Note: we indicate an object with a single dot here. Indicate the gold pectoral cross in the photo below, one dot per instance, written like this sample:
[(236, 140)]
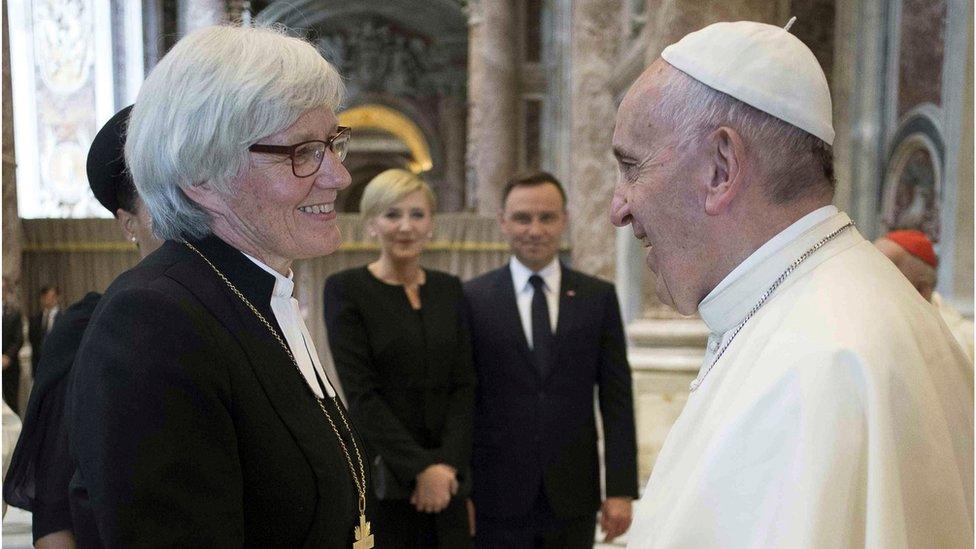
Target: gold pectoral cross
[(364, 537)]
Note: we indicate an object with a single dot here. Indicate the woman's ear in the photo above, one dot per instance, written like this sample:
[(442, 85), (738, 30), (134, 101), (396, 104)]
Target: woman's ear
[(725, 151), (206, 196), (127, 222)]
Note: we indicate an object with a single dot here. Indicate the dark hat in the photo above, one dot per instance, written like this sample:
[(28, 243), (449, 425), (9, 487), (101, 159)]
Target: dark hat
[(106, 161)]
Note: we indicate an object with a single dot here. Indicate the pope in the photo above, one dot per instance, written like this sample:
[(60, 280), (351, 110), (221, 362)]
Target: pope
[(833, 408)]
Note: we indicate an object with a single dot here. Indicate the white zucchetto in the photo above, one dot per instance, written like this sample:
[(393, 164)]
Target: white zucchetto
[(761, 65)]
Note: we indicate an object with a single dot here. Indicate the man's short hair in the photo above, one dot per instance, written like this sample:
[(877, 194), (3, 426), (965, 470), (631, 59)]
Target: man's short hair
[(218, 91), (45, 289), (532, 179), (798, 164)]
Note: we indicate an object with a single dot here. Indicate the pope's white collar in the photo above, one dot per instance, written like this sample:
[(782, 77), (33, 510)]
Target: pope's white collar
[(730, 301)]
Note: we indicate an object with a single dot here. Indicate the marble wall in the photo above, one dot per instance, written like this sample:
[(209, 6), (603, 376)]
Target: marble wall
[(492, 100), (596, 41), (11, 222)]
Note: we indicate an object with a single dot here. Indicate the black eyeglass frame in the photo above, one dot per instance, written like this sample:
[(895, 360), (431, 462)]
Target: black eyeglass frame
[(289, 150)]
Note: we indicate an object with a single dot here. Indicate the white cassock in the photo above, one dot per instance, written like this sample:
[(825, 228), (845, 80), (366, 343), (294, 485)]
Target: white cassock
[(840, 416), (960, 326)]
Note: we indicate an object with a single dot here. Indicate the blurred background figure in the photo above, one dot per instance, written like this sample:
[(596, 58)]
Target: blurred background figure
[(912, 252), (42, 322), (41, 466), (13, 339), (400, 344)]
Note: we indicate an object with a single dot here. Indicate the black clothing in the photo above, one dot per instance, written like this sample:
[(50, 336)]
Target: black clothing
[(37, 331), (407, 374), (540, 529), (41, 466), (404, 528), (13, 339), (190, 424), (537, 433)]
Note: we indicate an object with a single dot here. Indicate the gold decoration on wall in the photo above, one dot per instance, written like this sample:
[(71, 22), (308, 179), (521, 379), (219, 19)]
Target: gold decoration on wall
[(378, 117)]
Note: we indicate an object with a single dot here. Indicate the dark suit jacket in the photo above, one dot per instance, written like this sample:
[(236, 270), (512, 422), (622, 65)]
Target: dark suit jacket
[(35, 334), (190, 425), (532, 433)]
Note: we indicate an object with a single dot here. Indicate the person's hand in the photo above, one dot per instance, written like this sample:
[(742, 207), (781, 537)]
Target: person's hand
[(470, 506), (435, 486), (615, 516), (6, 361)]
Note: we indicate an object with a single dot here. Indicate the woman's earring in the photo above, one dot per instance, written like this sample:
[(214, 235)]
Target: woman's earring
[(133, 239)]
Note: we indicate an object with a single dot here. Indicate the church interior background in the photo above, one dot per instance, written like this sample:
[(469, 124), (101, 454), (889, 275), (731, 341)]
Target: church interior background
[(468, 92)]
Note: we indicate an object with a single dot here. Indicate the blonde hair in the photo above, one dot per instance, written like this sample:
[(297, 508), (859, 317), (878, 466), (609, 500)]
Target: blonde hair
[(388, 188)]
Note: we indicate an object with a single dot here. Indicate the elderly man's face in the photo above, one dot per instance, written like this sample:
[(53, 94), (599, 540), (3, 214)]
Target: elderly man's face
[(284, 217), (656, 194)]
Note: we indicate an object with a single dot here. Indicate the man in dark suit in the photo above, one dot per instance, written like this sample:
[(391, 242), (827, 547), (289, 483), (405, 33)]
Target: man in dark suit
[(41, 323), (543, 337)]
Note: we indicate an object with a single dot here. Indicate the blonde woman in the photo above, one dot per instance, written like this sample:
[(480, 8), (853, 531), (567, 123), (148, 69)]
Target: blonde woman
[(401, 347)]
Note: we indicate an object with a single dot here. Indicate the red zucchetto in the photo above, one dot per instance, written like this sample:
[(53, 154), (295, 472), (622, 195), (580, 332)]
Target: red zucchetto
[(916, 243)]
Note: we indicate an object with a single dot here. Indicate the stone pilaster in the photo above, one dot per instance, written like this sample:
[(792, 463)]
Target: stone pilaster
[(492, 101), (12, 231), (195, 14), (596, 35)]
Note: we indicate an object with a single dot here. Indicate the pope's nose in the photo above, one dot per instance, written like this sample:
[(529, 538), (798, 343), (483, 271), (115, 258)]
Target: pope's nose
[(619, 210)]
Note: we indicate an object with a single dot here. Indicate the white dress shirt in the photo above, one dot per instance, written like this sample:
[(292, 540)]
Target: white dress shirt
[(289, 317), (551, 276)]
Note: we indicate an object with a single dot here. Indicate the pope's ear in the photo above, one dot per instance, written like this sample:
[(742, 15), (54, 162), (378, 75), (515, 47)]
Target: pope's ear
[(725, 152)]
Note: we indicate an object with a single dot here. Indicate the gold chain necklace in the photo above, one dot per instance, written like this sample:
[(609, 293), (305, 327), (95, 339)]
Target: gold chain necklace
[(363, 533)]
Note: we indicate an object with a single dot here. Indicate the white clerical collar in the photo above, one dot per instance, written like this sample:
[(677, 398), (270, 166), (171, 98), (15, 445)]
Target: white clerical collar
[(284, 285), (285, 308), (729, 302), (520, 274)]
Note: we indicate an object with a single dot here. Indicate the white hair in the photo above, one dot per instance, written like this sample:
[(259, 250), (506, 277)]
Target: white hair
[(795, 161), (218, 91)]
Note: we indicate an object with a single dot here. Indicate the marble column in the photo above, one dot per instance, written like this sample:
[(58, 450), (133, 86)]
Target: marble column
[(195, 14), (596, 34), (492, 101), (451, 116), (12, 232)]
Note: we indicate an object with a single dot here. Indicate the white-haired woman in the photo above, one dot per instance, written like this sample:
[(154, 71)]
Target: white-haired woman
[(402, 350), (199, 412)]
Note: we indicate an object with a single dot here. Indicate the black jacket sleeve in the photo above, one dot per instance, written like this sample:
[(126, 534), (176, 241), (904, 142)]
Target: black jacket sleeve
[(379, 426), (150, 425), (456, 441), (617, 405)]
